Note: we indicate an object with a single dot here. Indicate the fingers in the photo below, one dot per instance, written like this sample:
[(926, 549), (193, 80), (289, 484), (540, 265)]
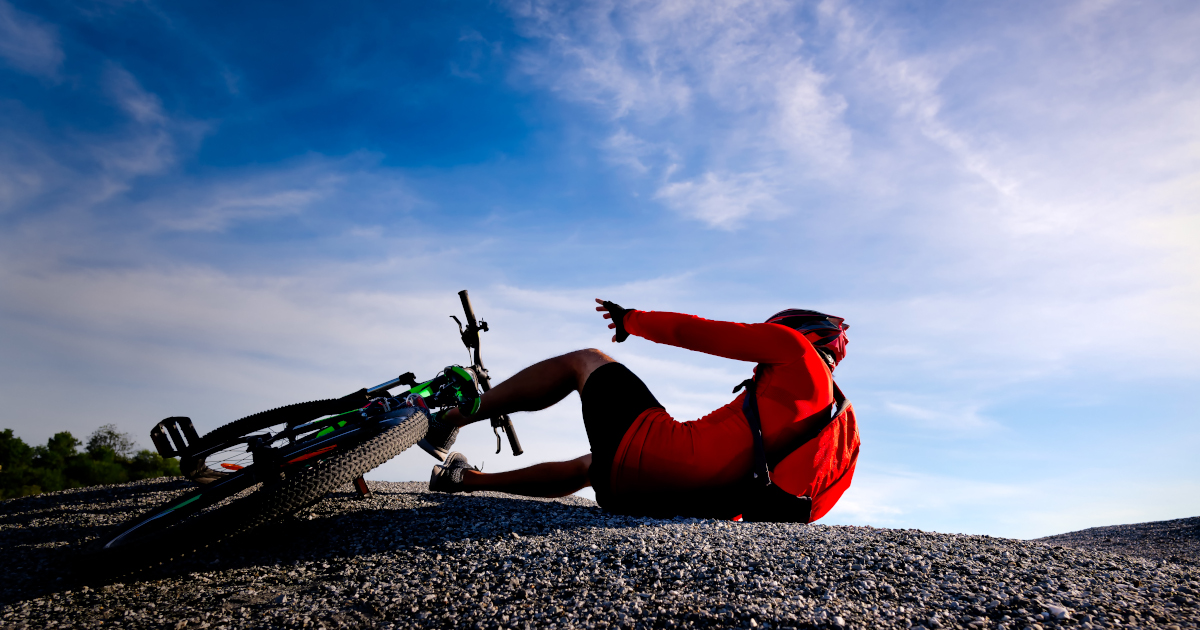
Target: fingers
[(601, 308), (607, 315)]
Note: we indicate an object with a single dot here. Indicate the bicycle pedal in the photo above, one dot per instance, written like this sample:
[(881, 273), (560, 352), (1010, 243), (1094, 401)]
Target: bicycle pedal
[(174, 436)]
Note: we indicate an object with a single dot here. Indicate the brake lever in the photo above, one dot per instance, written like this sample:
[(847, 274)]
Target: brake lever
[(470, 333)]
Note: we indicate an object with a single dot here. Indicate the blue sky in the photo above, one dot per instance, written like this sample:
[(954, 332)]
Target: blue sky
[(209, 209)]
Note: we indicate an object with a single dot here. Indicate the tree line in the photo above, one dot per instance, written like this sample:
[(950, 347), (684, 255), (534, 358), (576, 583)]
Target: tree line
[(110, 457)]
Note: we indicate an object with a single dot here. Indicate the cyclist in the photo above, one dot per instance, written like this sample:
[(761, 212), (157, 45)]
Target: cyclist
[(642, 460)]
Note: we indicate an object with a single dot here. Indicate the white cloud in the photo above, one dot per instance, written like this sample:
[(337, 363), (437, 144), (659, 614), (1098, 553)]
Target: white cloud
[(910, 84), (1017, 507), (722, 200), (150, 144), (256, 194), (27, 44), (810, 120), (959, 420), (218, 214), (627, 149), (897, 498), (142, 106), (724, 91), (48, 171)]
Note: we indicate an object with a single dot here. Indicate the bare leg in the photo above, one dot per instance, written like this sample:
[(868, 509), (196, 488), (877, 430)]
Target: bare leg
[(548, 480), (537, 386)]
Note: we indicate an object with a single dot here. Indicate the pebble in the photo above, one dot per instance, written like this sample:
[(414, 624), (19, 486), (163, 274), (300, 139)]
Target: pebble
[(405, 557)]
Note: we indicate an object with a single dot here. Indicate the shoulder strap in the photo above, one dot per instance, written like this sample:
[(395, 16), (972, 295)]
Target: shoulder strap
[(761, 472)]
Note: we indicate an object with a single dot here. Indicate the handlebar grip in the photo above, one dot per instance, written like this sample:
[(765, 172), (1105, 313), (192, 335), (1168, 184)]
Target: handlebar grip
[(513, 442), (466, 304)]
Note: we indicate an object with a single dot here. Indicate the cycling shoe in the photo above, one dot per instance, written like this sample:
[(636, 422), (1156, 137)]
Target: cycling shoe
[(440, 437), (448, 476)]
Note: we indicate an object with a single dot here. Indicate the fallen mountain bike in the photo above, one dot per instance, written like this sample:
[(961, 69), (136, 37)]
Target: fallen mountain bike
[(271, 464)]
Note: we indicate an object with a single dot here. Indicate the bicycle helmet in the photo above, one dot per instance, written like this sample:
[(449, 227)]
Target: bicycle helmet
[(826, 332)]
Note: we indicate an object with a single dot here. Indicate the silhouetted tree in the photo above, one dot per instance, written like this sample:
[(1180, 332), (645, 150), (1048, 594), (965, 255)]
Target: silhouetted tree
[(109, 458), (107, 436)]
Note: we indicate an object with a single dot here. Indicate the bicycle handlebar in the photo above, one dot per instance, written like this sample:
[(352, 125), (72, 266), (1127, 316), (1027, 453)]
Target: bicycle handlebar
[(470, 338)]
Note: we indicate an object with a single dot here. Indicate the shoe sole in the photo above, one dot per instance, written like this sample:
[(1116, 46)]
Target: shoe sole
[(437, 453)]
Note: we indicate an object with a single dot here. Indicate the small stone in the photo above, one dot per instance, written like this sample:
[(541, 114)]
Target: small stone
[(1058, 612)]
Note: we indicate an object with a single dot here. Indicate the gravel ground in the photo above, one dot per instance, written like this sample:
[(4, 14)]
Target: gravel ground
[(1175, 541), (408, 558)]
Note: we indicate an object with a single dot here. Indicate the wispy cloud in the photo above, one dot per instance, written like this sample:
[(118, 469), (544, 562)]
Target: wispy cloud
[(719, 102), (49, 169), (722, 199), (149, 144), (890, 497), (1021, 506), (256, 194), (910, 84), (28, 44), (961, 420)]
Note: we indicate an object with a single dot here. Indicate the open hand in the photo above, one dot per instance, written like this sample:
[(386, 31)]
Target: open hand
[(613, 311)]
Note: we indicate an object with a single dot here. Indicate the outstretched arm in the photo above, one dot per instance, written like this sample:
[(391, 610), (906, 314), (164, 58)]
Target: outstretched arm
[(758, 343)]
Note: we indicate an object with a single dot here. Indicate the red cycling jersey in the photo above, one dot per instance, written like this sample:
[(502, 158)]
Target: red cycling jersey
[(794, 384)]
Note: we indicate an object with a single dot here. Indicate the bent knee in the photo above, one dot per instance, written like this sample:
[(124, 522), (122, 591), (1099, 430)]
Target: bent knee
[(585, 362), (593, 355)]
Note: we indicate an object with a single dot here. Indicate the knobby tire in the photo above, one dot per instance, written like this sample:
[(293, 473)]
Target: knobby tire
[(272, 501), (195, 468)]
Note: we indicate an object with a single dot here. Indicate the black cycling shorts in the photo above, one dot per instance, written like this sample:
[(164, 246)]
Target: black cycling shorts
[(613, 397)]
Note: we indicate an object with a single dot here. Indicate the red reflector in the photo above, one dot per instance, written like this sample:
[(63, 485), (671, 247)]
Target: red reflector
[(232, 466), (312, 454)]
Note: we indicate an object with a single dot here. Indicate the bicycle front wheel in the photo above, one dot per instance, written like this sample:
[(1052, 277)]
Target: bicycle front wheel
[(235, 505)]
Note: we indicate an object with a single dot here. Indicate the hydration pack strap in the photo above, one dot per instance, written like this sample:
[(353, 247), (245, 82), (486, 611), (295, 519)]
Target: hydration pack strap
[(761, 472)]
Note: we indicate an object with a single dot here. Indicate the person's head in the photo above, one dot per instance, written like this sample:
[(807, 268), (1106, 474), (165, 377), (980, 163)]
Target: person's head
[(826, 332)]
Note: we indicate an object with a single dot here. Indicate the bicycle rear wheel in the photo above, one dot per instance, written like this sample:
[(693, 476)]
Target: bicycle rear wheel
[(225, 446), (219, 511)]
